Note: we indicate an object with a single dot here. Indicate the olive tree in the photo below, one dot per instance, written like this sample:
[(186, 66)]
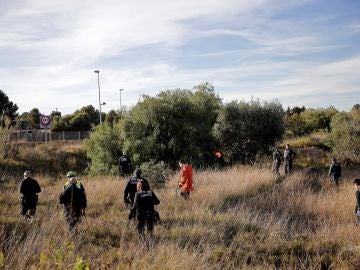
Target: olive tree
[(247, 129), (172, 125), (345, 136)]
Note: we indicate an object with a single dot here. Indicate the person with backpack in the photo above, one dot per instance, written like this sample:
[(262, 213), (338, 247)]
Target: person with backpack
[(356, 183), (73, 197), (289, 156), (143, 208), (29, 188), (125, 166), (276, 155), (186, 179), (335, 172), (131, 189)]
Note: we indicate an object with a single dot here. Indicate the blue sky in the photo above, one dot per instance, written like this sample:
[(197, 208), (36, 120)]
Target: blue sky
[(299, 52)]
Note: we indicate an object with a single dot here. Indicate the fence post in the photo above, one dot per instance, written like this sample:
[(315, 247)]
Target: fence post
[(79, 135), (63, 135)]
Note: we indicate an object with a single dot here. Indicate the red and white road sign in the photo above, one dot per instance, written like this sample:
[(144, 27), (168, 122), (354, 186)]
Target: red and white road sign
[(45, 121)]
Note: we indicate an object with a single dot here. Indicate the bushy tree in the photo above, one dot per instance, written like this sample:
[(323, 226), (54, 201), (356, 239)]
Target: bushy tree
[(8, 109), (356, 107), (103, 148), (55, 113), (301, 122), (297, 110), (5, 130), (112, 117), (81, 120), (172, 125), (246, 129), (295, 125), (345, 136), (29, 120)]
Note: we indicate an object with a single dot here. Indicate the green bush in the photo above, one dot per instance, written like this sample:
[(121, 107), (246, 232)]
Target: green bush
[(157, 173), (173, 125), (103, 148), (345, 136), (306, 121), (81, 120), (246, 130), (4, 136)]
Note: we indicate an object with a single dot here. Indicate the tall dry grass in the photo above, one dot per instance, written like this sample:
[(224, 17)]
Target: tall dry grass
[(51, 158), (240, 218)]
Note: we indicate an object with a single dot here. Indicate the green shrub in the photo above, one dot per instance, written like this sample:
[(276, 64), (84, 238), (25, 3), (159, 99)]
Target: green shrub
[(248, 129), (5, 136), (173, 125), (345, 136), (103, 148), (157, 173)]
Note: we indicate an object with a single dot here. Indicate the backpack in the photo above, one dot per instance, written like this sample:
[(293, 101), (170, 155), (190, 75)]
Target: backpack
[(156, 217)]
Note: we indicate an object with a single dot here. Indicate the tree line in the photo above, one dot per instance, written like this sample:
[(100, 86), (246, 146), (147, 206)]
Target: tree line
[(192, 125)]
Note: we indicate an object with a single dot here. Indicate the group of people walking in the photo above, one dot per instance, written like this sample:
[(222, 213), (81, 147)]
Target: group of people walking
[(288, 158), (73, 197), (139, 198)]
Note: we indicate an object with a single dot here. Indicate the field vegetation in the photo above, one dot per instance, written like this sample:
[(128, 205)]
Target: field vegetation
[(241, 217)]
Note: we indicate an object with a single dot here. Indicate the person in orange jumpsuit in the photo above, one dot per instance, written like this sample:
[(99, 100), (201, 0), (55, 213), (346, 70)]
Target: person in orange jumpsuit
[(186, 179)]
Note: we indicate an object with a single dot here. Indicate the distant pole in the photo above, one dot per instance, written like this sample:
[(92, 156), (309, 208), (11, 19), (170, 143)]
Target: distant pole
[(98, 73), (120, 90)]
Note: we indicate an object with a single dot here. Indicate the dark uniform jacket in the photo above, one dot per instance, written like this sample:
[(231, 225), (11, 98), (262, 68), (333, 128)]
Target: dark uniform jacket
[(130, 189), (125, 164), (289, 155), (335, 170), (29, 188), (277, 156), (73, 197), (357, 195), (144, 202)]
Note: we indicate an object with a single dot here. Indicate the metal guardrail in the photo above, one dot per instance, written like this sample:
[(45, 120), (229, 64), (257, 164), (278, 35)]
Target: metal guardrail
[(45, 136)]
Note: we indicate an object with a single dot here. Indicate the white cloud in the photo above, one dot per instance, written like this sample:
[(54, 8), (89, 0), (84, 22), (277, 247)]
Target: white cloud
[(69, 39), (83, 31)]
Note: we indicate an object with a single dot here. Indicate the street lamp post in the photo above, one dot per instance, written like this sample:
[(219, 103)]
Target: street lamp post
[(120, 90), (98, 73)]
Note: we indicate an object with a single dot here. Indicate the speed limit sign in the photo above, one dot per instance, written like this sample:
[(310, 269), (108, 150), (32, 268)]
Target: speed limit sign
[(45, 121)]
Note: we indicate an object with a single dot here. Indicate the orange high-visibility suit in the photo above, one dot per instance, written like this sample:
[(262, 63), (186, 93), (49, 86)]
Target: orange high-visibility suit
[(186, 181)]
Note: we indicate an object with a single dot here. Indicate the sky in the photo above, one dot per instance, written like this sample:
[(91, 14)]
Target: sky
[(300, 52)]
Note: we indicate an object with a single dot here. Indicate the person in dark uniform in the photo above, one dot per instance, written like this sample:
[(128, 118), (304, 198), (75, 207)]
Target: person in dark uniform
[(125, 166), (276, 155), (143, 208), (73, 197), (356, 183), (335, 171), (131, 189), (289, 156), (29, 188)]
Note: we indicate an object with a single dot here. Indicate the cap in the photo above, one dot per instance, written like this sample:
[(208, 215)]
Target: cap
[(71, 174)]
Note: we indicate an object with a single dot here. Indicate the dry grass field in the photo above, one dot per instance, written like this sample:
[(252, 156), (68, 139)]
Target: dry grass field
[(239, 218)]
